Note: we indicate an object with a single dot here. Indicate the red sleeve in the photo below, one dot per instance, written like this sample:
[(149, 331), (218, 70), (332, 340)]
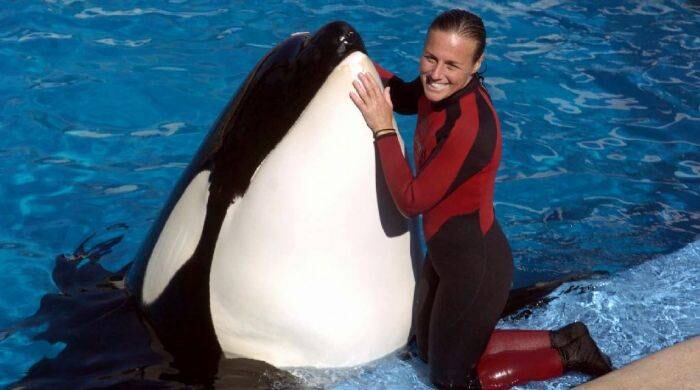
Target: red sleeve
[(384, 74), (415, 195)]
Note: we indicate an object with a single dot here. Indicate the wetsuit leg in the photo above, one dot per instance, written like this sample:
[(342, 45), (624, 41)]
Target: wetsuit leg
[(425, 294), (475, 273)]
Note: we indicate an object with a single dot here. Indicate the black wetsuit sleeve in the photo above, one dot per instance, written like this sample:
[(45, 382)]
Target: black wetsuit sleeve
[(404, 96)]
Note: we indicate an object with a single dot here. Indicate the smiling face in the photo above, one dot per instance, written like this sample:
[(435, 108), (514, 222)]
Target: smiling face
[(447, 64)]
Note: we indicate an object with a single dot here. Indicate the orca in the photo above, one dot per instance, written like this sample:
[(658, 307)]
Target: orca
[(280, 242)]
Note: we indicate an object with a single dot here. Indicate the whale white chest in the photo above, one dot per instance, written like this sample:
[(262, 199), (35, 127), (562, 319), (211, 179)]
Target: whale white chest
[(303, 273)]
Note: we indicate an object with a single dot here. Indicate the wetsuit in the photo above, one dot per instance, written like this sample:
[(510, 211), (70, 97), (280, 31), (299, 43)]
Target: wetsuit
[(467, 274)]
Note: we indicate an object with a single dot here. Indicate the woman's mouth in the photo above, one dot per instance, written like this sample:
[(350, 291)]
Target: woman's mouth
[(435, 86)]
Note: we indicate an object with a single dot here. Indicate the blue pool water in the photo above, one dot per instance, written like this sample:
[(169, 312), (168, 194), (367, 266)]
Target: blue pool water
[(104, 104)]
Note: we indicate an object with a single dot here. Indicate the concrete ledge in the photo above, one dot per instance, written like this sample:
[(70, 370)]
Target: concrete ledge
[(676, 367)]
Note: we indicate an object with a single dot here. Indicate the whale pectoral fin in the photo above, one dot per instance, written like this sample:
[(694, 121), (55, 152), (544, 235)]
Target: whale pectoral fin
[(242, 373), (178, 238), (537, 294)]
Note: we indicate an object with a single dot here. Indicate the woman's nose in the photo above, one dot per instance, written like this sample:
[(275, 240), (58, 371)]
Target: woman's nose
[(437, 72)]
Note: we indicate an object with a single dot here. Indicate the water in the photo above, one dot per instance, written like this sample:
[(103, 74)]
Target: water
[(103, 106), (634, 313)]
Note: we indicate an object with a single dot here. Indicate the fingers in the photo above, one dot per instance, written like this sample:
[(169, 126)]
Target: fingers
[(360, 88), (357, 100), (370, 85), (367, 92), (387, 96), (373, 101)]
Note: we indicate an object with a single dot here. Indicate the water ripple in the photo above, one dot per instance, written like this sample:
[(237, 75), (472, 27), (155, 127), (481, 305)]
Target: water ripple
[(229, 31), (121, 189), (169, 68), (96, 12), (542, 157), (541, 175), (614, 101), (650, 158), (600, 144), (564, 106), (650, 9), (495, 92), (168, 130), (692, 166), (89, 134), (36, 35), (551, 118), (178, 165), (59, 81), (125, 42), (640, 122)]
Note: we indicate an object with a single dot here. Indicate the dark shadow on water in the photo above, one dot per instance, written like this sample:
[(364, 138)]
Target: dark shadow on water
[(108, 343)]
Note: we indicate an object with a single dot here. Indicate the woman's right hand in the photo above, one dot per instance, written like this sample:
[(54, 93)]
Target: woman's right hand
[(374, 104)]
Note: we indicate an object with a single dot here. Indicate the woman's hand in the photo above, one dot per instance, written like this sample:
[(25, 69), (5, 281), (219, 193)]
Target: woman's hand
[(374, 104)]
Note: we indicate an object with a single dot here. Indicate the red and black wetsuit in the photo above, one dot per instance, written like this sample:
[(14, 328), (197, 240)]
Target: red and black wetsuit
[(467, 274), (457, 149)]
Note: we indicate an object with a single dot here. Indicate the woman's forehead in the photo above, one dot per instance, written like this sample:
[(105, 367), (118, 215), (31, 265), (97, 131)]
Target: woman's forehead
[(450, 45)]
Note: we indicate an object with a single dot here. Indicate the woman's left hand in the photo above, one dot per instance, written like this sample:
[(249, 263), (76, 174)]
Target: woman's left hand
[(374, 104)]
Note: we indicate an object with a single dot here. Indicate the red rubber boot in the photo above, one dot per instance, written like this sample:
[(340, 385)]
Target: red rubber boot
[(517, 340), (509, 368)]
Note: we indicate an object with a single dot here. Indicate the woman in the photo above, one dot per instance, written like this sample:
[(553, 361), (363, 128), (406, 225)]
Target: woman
[(468, 270)]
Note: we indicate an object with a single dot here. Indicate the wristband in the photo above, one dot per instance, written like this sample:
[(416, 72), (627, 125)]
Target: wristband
[(383, 132)]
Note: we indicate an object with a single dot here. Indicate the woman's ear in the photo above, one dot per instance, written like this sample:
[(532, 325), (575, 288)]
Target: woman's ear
[(478, 62)]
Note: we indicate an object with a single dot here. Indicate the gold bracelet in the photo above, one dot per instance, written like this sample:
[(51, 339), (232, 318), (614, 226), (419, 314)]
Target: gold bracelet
[(382, 132)]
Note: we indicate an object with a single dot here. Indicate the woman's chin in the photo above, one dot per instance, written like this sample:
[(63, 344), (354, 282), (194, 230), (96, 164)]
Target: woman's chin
[(435, 96)]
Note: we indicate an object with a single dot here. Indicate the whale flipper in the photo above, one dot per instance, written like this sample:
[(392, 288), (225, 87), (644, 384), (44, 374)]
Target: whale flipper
[(537, 294)]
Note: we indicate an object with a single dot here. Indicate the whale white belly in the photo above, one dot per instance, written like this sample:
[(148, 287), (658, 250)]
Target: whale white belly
[(303, 273)]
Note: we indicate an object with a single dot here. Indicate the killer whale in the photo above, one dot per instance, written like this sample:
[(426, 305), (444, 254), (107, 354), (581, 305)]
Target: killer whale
[(280, 241)]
